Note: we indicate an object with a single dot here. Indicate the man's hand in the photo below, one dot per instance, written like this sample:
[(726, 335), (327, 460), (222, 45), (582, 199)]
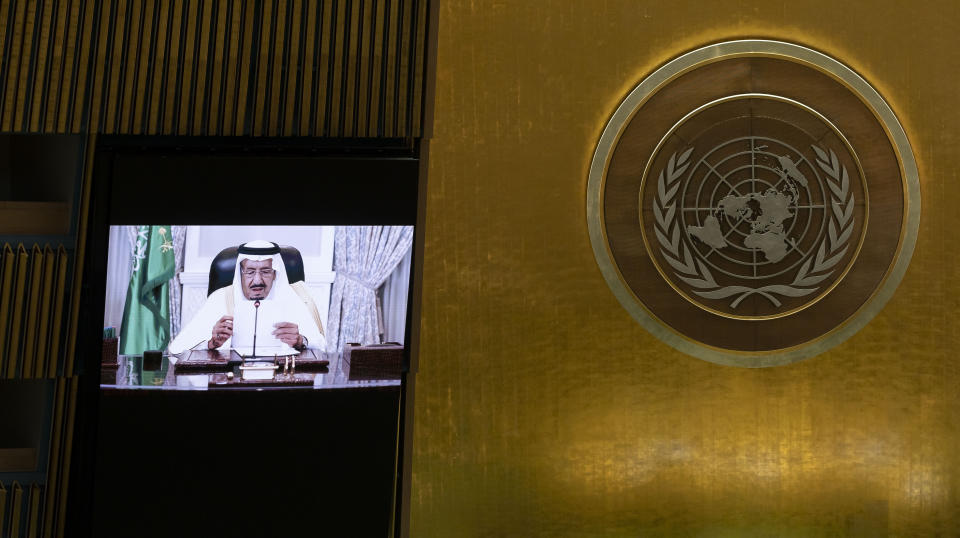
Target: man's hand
[(222, 330), (289, 334)]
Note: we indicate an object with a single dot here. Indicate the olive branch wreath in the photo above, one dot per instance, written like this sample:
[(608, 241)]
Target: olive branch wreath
[(695, 273)]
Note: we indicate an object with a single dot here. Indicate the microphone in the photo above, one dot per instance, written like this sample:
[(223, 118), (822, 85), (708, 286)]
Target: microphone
[(256, 310)]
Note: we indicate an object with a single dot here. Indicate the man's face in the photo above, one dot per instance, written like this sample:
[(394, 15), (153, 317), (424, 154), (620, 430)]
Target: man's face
[(257, 278)]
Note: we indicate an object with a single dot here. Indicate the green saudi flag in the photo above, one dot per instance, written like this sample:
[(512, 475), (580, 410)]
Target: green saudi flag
[(146, 313)]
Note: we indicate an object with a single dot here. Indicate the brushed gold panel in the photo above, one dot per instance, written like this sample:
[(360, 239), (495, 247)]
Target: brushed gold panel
[(543, 409)]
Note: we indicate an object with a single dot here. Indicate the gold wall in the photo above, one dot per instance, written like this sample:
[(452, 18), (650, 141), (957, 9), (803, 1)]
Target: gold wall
[(543, 409)]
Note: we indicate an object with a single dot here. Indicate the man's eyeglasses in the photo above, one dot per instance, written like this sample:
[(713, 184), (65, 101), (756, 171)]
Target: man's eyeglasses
[(264, 273)]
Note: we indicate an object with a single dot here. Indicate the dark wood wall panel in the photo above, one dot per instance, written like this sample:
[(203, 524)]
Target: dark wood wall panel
[(336, 68), (333, 68), (37, 507), (33, 298)]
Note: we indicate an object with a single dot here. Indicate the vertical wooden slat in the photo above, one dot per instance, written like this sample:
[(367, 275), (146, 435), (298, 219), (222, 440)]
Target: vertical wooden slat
[(395, 96), (40, 59), (7, 9), (12, 76), (3, 506), (363, 71), (67, 61), (26, 61), (96, 54), (16, 315), (253, 73), (115, 29), (347, 59), (214, 67), (295, 121), (259, 63), (258, 67), (129, 97), (198, 65), (176, 108), (312, 91), (60, 298), (373, 84), (56, 449), (356, 69), (403, 56), (54, 51), (333, 31), (423, 44), (146, 105), (164, 93), (413, 57), (339, 57), (226, 60), (158, 78), (244, 36), (188, 56), (287, 70), (280, 51), (33, 513), (388, 10), (16, 510), (249, 68), (46, 314), (77, 59), (7, 277), (134, 110), (128, 77), (271, 70), (386, 67), (32, 311), (64, 478)]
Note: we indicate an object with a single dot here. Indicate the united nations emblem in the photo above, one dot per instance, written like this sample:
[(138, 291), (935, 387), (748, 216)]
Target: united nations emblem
[(733, 203)]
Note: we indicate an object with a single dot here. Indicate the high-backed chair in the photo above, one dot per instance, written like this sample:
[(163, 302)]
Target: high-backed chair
[(223, 265)]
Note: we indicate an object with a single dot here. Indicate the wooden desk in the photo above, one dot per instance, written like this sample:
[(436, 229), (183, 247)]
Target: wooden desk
[(209, 369)]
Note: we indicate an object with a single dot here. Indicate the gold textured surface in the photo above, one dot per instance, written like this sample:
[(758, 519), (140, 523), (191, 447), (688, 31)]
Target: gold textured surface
[(544, 409)]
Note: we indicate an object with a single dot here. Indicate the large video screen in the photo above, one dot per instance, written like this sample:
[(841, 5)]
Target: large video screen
[(205, 307)]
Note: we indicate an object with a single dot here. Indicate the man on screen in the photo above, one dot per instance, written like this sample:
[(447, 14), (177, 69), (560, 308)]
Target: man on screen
[(260, 308)]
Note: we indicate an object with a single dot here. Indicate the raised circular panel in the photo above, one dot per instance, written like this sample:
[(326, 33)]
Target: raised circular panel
[(753, 203)]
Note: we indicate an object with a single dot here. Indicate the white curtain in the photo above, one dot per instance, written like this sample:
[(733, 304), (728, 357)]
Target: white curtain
[(118, 273), (176, 288), (363, 258), (394, 298)]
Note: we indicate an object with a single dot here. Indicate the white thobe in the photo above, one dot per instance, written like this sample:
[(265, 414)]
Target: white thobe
[(272, 310)]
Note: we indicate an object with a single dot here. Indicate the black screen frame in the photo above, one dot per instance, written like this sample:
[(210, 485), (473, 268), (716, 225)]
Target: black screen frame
[(142, 179)]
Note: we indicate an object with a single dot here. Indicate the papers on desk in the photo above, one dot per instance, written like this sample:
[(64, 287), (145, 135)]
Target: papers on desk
[(266, 352)]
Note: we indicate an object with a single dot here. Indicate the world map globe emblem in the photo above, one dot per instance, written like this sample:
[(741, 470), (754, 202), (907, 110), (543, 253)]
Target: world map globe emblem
[(756, 215)]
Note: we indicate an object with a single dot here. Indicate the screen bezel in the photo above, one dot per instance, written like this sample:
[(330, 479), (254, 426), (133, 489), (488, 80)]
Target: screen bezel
[(385, 175)]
